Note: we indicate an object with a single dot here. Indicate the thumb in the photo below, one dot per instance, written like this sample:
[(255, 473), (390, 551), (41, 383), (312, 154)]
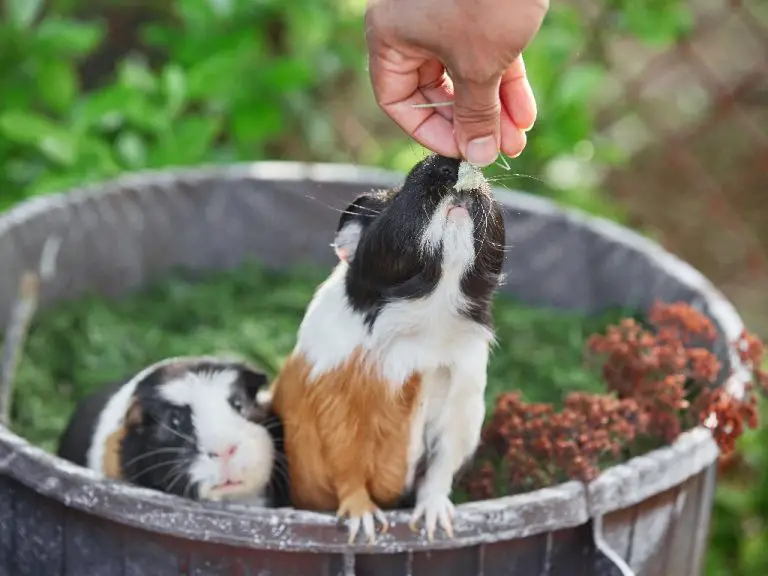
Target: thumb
[(477, 119)]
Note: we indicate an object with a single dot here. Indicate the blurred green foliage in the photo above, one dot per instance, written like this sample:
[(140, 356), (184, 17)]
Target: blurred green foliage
[(231, 77), (229, 80), (237, 80)]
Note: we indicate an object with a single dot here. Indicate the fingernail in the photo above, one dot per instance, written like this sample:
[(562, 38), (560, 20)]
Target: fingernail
[(482, 151)]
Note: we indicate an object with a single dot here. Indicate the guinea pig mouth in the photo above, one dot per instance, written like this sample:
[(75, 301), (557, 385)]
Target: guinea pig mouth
[(458, 205), (227, 484)]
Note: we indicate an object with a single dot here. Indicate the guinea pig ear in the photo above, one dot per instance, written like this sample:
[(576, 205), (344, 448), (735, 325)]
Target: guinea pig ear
[(253, 381), (346, 240), (135, 415), (356, 218)]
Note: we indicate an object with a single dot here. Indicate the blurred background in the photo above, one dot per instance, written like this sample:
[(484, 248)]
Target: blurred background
[(652, 113)]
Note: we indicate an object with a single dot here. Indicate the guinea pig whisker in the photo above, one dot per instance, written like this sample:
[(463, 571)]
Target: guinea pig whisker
[(371, 211), (187, 489), (281, 467), (271, 423), (502, 177), (153, 453), (179, 475), (177, 433), (156, 465)]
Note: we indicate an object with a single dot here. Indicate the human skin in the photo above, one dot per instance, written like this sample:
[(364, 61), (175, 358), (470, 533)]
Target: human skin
[(412, 44)]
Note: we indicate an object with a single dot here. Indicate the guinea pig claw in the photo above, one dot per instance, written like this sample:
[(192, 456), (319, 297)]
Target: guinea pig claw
[(366, 521), (362, 513), (435, 511), (354, 528)]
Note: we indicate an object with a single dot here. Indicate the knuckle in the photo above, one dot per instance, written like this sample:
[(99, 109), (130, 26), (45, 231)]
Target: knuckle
[(477, 113)]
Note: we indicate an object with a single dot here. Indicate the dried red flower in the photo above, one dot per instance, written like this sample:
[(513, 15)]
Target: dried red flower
[(660, 381)]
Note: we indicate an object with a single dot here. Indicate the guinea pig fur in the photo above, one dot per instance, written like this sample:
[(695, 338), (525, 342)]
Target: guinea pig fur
[(388, 374), (192, 427)]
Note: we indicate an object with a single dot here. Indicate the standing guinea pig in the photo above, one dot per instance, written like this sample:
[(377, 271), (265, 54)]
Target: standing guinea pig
[(192, 427), (389, 370)]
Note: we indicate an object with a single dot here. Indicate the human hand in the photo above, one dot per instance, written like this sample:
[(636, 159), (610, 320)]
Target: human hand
[(413, 43)]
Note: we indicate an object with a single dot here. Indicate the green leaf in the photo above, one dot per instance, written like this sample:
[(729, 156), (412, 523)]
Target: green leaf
[(73, 38), (196, 14), (95, 156), (22, 13), (174, 87), (251, 124), (657, 25), (188, 143), (158, 36), (136, 74), (218, 76), (31, 129), (117, 105), (131, 150), (196, 134), (57, 83), (577, 85), (54, 182), (286, 74)]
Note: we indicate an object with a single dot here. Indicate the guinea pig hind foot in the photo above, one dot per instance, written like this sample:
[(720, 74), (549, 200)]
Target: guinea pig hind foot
[(361, 512)]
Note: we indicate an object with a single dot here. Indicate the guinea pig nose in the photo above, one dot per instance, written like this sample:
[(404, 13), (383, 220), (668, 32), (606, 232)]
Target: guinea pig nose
[(227, 453)]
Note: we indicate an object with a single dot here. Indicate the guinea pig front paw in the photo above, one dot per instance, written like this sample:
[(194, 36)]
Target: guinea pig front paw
[(434, 509), (360, 511)]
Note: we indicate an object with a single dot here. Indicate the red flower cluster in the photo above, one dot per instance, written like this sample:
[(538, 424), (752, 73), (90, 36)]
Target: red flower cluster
[(538, 446), (660, 381)]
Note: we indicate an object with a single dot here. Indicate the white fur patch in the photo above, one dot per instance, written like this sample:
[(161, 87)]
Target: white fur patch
[(330, 330), (470, 177), (454, 231)]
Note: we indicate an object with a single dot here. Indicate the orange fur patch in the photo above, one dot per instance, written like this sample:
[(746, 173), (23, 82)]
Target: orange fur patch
[(113, 467), (345, 432), (113, 449)]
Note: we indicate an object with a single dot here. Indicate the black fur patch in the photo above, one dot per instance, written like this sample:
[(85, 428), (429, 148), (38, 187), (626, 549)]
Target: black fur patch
[(158, 451), (388, 264), (278, 491)]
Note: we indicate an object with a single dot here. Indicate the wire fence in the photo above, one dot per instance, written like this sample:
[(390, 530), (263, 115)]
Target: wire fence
[(694, 119)]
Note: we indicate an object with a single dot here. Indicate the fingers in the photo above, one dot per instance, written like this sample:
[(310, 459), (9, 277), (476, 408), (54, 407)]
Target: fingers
[(517, 96), (485, 117), (400, 88), (476, 119), (513, 139)]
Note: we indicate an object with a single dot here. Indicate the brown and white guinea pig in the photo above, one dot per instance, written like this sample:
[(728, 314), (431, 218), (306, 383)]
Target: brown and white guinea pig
[(389, 370), (189, 426)]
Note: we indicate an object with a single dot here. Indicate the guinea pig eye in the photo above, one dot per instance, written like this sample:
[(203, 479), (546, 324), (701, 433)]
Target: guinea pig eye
[(175, 422)]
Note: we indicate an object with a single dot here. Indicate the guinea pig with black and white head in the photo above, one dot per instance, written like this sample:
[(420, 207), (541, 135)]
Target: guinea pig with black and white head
[(194, 427), (382, 398)]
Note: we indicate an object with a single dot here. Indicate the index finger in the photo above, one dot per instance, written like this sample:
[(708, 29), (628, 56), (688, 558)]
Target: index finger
[(398, 91)]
